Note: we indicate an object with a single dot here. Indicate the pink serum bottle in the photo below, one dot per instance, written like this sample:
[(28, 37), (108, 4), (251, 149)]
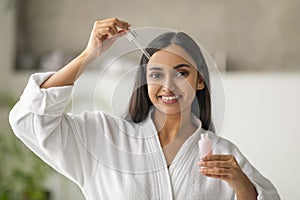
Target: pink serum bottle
[(205, 146)]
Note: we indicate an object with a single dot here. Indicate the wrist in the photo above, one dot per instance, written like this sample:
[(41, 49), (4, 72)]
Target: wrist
[(246, 191), (86, 57)]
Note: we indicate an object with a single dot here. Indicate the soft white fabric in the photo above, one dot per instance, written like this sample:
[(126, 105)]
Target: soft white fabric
[(111, 158)]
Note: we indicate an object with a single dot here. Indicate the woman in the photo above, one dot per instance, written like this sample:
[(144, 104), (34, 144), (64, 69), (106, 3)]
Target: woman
[(152, 154)]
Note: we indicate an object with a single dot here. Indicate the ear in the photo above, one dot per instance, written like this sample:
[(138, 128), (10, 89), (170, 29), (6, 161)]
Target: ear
[(200, 85)]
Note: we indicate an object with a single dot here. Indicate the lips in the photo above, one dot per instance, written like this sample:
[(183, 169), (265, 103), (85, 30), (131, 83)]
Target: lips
[(169, 99)]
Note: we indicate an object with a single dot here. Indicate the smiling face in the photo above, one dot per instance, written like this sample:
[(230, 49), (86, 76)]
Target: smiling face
[(172, 80)]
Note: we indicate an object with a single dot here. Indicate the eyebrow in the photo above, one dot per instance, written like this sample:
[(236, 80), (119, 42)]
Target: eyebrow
[(181, 65), (175, 67)]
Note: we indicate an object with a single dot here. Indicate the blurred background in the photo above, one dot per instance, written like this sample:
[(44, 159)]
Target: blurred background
[(256, 45)]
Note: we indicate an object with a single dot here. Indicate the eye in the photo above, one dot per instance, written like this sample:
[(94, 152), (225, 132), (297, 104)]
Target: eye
[(155, 75), (181, 74)]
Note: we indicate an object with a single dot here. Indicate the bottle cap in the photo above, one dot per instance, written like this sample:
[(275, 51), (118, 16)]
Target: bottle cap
[(202, 136)]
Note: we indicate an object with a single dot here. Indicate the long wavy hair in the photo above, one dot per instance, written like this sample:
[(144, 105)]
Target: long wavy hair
[(140, 104)]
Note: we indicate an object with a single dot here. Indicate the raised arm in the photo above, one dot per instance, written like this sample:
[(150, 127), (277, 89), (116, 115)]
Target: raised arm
[(64, 141), (104, 33)]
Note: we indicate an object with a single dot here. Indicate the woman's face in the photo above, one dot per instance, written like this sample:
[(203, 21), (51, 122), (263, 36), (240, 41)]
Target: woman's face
[(172, 80)]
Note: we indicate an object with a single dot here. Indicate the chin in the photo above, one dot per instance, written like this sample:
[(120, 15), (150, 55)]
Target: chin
[(170, 110)]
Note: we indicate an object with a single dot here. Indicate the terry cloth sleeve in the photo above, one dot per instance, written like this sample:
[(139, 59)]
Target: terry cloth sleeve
[(39, 120), (265, 189)]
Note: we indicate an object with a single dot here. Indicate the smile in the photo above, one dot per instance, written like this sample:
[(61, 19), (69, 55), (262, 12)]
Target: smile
[(169, 99)]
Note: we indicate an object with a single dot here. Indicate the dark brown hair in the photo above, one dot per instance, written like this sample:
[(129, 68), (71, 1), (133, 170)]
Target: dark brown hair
[(140, 103)]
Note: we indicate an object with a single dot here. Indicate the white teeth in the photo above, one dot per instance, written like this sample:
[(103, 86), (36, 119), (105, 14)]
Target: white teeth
[(169, 98)]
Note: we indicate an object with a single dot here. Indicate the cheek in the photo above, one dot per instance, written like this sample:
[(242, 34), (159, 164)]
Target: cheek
[(187, 85), (153, 90)]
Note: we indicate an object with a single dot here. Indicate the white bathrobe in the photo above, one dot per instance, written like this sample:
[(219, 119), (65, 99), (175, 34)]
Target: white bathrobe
[(109, 157)]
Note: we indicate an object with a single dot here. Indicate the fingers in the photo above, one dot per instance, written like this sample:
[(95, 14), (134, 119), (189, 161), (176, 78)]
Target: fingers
[(109, 27), (103, 35), (116, 22), (224, 167), (215, 171), (224, 161), (222, 177), (218, 166), (219, 157)]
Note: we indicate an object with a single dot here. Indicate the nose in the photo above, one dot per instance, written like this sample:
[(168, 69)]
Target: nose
[(169, 84)]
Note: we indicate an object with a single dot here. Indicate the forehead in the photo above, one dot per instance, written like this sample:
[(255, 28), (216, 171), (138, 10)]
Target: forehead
[(171, 56)]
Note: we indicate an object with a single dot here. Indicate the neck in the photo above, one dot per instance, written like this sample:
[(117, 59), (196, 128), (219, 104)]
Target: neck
[(170, 125)]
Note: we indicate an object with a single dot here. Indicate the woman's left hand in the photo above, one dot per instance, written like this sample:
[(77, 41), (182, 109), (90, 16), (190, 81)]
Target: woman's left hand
[(225, 167)]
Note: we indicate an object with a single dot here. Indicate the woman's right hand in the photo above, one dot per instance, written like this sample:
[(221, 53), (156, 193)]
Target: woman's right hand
[(104, 33)]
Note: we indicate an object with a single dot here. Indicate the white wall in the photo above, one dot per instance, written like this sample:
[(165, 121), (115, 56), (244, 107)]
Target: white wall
[(262, 116)]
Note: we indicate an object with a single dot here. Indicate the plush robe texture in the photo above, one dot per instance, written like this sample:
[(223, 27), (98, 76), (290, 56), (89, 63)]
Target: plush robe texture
[(109, 157)]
